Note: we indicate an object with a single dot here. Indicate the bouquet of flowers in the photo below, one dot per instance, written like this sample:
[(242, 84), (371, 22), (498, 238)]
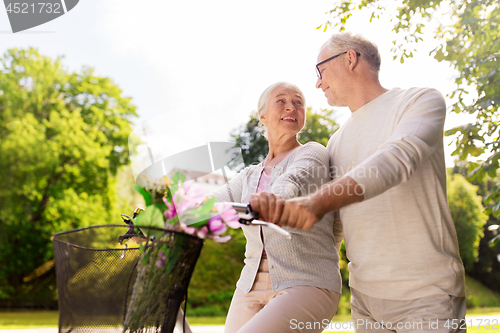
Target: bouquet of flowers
[(177, 219)]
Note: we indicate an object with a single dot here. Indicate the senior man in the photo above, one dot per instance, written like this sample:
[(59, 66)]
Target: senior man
[(389, 187)]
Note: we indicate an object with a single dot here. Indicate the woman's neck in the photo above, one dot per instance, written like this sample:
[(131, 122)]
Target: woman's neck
[(279, 148)]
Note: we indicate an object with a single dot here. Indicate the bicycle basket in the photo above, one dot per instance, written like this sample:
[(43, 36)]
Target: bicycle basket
[(106, 287)]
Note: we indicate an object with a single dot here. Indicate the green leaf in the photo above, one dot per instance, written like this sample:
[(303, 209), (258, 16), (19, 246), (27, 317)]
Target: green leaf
[(148, 200), (495, 208), (196, 221), (161, 206), (150, 217), (178, 176), (439, 55), (198, 216), (493, 242), (207, 206)]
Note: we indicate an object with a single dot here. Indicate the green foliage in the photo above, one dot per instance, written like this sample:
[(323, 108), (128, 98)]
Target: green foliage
[(469, 40), (148, 199), (150, 217), (319, 127), (249, 138), (128, 198), (480, 296), (63, 138), (486, 269), (467, 212), (215, 276)]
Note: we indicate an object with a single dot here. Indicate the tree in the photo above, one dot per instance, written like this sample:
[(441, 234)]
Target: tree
[(487, 268), (319, 127), (470, 43), (63, 137), (469, 217), (250, 139)]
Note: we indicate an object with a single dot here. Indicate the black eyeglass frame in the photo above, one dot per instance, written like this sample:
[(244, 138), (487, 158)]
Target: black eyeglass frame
[(318, 72)]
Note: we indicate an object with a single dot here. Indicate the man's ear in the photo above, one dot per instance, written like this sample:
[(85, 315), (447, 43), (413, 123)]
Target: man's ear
[(352, 58)]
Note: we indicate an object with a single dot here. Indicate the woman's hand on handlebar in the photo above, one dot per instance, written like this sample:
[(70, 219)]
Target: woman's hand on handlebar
[(269, 206)]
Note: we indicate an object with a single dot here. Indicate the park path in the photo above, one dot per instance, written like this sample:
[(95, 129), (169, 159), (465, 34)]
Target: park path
[(472, 321)]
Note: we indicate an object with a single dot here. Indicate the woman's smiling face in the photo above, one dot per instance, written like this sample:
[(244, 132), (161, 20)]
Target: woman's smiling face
[(285, 112)]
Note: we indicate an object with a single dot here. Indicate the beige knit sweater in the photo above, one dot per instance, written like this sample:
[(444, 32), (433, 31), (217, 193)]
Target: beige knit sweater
[(401, 240), (310, 257)]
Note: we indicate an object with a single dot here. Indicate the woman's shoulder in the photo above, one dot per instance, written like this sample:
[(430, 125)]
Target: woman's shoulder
[(313, 147), (307, 153), (249, 170)]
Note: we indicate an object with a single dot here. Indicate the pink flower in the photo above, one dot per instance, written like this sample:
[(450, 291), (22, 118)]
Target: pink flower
[(221, 239), (186, 198), (162, 259), (170, 213), (173, 227), (216, 225), (188, 230), (228, 215), (202, 232)]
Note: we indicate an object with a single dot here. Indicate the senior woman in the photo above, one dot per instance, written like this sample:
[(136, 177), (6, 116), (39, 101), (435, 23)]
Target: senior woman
[(285, 285)]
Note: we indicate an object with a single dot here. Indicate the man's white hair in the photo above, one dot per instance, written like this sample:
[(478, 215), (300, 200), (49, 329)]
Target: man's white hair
[(345, 41)]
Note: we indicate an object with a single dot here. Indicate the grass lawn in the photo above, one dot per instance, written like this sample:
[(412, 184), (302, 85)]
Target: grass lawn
[(480, 329), (18, 319), (483, 311)]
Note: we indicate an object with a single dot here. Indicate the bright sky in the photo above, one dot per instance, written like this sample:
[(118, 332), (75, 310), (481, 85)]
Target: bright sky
[(195, 69)]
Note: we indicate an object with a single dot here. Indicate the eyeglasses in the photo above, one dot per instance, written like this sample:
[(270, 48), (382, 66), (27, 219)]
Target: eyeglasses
[(318, 72)]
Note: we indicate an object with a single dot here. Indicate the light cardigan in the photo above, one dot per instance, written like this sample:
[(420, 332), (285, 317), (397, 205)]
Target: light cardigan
[(310, 257), (401, 240)]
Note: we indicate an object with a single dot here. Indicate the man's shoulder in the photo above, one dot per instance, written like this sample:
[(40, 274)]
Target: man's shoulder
[(416, 98), (416, 92)]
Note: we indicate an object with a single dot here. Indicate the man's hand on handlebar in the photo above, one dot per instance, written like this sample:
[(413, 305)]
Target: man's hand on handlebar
[(296, 213), (269, 206), (300, 213)]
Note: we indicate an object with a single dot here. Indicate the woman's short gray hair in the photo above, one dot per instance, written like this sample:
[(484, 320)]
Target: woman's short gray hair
[(266, 95), (345, 41)]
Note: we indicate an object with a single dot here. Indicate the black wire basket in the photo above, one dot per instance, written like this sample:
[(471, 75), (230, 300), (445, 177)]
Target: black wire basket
[(105, 286)]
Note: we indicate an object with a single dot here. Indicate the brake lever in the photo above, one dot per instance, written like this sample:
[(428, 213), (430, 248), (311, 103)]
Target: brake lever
[(132, 230), (249, 217)]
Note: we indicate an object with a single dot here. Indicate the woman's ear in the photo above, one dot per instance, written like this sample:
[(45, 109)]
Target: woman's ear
[(263, 119)]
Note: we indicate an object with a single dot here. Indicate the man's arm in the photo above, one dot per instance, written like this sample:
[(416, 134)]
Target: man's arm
[(417, 135), (303, 212)]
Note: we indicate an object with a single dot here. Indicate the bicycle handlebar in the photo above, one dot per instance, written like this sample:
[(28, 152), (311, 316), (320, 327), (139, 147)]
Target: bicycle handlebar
[(246, 214), (250, 217)]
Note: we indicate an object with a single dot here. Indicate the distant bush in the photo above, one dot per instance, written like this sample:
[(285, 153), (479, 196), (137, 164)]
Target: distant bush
[(215, 276), (479, 296), (469, 217)]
